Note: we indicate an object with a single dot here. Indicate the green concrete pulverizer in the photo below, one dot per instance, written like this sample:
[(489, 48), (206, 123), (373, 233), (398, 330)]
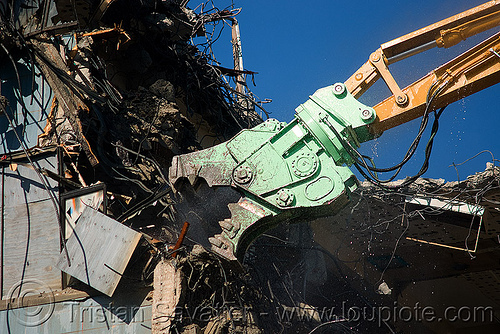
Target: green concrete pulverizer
[(294, 171)]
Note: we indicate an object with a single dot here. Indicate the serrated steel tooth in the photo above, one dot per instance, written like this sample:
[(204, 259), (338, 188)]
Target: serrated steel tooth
[(173, 171), (230, 227), (236, 226), (222, 246), (215, 242), (189, 207), (192, 178), (226, 224)]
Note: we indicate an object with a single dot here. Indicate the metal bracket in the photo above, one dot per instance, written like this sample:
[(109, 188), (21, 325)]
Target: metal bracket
[(378, 60)]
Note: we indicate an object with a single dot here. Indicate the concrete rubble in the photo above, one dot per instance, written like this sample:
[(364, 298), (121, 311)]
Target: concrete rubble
[(96, 99)]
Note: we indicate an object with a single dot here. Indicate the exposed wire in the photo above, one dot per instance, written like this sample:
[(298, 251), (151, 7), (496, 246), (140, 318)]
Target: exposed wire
[(368, 171)]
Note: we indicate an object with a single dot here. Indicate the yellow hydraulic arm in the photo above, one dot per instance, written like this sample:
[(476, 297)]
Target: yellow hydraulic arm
[(470, 72)]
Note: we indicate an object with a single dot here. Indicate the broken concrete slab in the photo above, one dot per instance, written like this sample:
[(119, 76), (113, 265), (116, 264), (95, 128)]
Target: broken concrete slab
[(167, 295)]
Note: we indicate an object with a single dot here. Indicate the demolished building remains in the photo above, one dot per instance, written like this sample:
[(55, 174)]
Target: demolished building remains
[(97, 97)]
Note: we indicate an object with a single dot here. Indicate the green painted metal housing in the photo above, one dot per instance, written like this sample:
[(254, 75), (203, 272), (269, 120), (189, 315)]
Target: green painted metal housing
[(283, 168)]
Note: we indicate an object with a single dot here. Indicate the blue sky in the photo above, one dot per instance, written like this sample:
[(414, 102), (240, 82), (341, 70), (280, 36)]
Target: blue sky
[(298, 47)]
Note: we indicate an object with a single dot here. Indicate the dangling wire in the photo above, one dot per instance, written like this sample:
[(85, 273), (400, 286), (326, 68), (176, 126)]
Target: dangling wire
[(370, 172)]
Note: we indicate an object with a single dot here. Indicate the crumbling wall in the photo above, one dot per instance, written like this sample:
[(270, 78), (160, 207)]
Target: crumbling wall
[(111, 91), (128, 89)]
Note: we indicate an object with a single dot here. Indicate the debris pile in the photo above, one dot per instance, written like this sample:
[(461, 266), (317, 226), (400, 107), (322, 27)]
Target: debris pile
[(120, 88), (209, 296), (96, 99)]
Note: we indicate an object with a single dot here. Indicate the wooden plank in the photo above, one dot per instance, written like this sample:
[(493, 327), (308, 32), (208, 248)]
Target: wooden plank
[(45, 298), (31, 246), (23, 184), (30, 243), (99, 249)]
